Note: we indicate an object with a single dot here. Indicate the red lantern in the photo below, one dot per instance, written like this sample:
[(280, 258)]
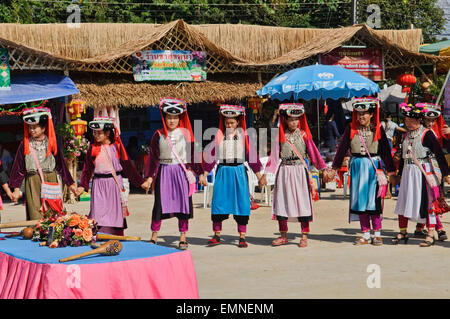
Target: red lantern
[(406, 80), (75, 108), (79, 127)]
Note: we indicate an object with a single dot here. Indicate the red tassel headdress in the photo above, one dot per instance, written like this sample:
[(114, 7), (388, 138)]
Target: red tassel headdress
[(32, 116), (107, 120), (231, 111), (363, 105), (174, 106), (292, 110)]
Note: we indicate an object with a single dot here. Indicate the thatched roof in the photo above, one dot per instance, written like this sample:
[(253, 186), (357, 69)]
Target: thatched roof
[(241, 49), (248, 42), (231, 48), (98, 90)]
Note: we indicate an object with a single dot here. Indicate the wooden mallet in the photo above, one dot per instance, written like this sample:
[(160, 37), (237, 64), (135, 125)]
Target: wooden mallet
[(19, 224), (115, 237), (110, 248)]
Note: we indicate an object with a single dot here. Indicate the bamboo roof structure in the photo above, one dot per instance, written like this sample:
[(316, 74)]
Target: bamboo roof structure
[(95, 49)]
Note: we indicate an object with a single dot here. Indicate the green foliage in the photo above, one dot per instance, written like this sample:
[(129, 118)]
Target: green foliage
[(423, 14), (64, 130)]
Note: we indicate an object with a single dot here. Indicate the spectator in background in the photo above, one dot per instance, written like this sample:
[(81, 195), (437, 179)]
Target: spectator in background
[(390, 127), (6, 159), (331, 132), (133, 149)]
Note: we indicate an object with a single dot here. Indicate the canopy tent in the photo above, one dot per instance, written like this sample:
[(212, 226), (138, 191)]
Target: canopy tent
[(434, 48), (37, 87)]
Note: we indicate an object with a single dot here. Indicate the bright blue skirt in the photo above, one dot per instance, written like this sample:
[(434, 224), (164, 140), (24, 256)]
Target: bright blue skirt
[(231, 193), (363, 185)]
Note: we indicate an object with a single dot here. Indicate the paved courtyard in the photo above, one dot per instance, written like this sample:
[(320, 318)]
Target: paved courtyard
[(330, 267)]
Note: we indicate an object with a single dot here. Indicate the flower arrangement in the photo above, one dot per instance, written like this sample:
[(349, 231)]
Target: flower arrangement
[(74, 147), (70, 229)]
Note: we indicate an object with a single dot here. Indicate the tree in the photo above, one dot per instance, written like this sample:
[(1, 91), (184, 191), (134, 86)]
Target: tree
[(422, 14)]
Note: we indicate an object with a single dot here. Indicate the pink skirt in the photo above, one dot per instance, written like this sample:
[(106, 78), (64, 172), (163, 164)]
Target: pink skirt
[(291, 196)]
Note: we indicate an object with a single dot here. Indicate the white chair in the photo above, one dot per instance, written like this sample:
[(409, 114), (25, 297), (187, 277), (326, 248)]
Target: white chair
[(345, 183), (267, 189), (252, 179), (207, 190)]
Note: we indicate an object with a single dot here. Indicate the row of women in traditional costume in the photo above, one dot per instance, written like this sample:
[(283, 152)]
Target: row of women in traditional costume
[(173, 164), (231, 148), (370, 155)]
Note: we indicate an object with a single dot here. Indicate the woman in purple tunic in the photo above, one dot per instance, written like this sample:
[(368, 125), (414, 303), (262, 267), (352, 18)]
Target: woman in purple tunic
[(108, 161), (171, 152)]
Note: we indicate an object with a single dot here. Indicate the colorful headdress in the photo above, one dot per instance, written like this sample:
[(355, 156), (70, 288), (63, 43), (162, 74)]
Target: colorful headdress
[(34, 115), (101, 121), (433, 111), (105, 119), (174, 106), (366, 104), (231, 110), (417, 111), (292, 110)]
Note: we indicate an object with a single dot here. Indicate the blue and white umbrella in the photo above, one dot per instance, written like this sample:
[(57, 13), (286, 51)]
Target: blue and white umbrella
[(319, 82)]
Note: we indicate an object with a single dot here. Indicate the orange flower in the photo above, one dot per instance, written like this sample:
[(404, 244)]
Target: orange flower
[(74, 220), (78, 232), (54, 244), (87, 234), (84, 223)]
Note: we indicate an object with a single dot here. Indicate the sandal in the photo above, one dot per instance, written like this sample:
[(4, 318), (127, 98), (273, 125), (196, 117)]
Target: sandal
[(303, 243), (183, 245), (403, 236), (442, 235), (242, 243), (377, 241), (361, 241), (280, 241), (427, 243), (214, 241), (420, 233)]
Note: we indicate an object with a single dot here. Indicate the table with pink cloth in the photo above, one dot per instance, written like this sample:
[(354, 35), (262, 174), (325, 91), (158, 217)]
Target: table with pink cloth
[(140, 271)]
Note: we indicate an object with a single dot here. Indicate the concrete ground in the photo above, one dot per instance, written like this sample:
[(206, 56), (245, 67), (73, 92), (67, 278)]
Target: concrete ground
[(330, 267)]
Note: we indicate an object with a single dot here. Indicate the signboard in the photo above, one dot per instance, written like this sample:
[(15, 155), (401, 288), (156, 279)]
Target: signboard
[(365, 61), (446, 109), (165, 65), (5, 76)]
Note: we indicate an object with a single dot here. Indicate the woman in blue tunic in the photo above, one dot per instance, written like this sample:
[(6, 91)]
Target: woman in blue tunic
[(368, 144), (231, 148)]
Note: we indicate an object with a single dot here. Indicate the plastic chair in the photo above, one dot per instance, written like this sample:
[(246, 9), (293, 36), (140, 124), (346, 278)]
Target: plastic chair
[(315, 176), (252, 179), (345, 183), (207, 191)]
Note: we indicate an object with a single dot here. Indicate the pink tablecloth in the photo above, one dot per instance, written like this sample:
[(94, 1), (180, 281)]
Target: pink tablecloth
[(170, 276)]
